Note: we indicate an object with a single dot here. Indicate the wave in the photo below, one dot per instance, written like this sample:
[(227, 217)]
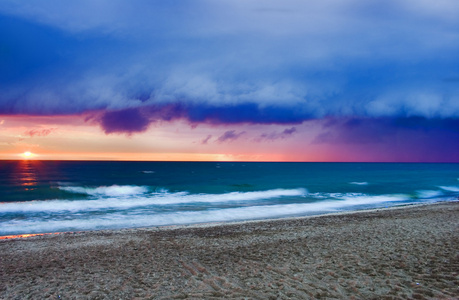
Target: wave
[(450, 188), (129, 219), (110, 191), (131, 197), (427, 194), (359, 183)]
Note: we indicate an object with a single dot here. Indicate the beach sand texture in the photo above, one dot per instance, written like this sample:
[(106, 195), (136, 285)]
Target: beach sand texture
[(410, 252)]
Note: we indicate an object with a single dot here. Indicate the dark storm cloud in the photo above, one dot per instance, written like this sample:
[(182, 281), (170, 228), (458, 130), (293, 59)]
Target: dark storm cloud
[(124, 121), (230, 62), (243, 113), (120, 121)]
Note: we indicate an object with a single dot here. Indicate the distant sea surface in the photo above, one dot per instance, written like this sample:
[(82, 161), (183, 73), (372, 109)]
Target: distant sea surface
[(58, 196)]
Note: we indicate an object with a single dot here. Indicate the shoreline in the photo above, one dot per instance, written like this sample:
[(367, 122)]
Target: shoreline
[(408, 251), (339, 213), (224, 223)]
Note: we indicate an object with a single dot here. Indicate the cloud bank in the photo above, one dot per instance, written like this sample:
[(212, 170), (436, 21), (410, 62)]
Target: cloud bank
[(232, 62)]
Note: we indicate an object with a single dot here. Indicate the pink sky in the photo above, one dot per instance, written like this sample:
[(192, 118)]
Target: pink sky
[(70, 137), (77, 138)]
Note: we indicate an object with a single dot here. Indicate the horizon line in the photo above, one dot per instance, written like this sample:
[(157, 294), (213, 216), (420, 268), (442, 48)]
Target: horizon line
[(226, 161)]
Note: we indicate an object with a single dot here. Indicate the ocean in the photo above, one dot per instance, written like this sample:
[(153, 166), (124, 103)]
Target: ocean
[(63, 196)]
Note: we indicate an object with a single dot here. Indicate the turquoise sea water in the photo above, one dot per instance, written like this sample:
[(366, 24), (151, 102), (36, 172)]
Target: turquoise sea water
[(56, 196)]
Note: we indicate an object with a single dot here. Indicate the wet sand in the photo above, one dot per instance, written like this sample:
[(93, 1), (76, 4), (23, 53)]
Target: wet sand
[(410, 252)]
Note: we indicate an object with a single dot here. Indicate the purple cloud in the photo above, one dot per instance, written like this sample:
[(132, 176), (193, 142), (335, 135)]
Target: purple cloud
[(39, 132), (204, 141), (230, 135), (124, 121), (289, 131), (135, 120), (276, 135), (401, 139), (354, 131)]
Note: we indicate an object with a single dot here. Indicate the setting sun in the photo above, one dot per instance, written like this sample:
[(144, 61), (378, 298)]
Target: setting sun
[(27, 154)]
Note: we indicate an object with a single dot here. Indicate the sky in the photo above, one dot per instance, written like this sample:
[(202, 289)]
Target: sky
[(239, 80)]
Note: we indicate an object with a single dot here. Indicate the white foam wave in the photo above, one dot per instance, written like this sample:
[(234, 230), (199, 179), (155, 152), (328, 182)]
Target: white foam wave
[(144, 200), (450, 188), (110, 191), (359, 183), (134, 219), (426, 194)]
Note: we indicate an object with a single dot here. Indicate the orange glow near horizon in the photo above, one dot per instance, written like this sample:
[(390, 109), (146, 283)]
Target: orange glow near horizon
[(73, 138), (153, 157)]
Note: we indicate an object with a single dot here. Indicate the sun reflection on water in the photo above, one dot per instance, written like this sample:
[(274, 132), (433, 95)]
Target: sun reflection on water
[(26, 175)]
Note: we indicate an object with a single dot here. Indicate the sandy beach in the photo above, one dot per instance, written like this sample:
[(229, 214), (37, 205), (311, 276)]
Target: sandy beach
[(409, 252)]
